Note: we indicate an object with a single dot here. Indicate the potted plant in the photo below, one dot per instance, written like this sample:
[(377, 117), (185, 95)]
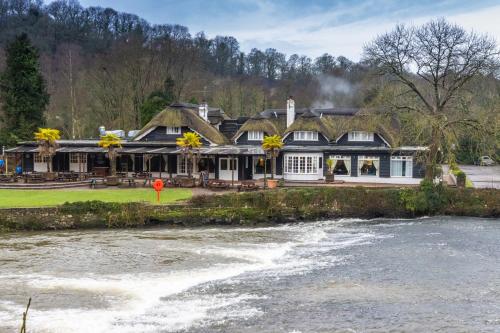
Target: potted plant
[(111, 141), (47, 146), (189, 143), (272, 145), (461, 179), (330, 177)]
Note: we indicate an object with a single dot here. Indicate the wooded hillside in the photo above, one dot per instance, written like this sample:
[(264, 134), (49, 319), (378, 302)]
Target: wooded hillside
[(115, 69)]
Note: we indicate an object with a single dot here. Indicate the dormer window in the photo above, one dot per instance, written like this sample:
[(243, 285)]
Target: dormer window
[(173, 130), (305, 136), (255, 135), (360, 136)]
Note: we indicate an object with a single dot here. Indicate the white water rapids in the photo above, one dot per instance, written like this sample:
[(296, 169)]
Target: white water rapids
[(169, 280)]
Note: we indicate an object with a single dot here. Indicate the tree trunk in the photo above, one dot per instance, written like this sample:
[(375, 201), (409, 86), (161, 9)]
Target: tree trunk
[(432, 155)]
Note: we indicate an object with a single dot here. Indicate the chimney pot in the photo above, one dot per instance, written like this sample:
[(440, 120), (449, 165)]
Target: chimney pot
[(290, 111), (203, 110)]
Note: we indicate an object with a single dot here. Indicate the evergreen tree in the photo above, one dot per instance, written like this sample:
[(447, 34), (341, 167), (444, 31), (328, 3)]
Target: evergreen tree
[(22, 92)]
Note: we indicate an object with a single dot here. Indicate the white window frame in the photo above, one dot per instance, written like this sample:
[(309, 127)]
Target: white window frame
[(182, 165), (173, 130), (255, 135), (360, 136), (296, 164), (409, 170), (305, 136), (368, 158), (76, 158), (37, 158)]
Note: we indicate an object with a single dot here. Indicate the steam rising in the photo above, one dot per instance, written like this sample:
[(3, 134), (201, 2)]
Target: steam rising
[(333, 91)]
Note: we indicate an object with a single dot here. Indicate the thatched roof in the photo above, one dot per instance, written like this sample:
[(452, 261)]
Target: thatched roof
[(258, 123), (308, 121), (382, 125), (184, 117), (334, 126)]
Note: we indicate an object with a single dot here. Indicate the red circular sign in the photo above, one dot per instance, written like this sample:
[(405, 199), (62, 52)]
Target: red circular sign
[(158, 185)]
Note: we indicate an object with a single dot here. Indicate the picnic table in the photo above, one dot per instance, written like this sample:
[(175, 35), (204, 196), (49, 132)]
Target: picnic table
[(34, 178), (130, 181), (8, 178), (184, 181), (217, 184), (67, 177), (248, 185)]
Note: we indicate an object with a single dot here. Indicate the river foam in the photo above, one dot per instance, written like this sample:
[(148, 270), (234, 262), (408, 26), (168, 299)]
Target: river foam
[(172, 300)]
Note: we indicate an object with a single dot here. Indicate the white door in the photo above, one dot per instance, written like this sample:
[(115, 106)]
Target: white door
[(228, 168)]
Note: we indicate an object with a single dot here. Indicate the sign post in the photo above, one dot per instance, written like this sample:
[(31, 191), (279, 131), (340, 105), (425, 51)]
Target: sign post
[(158, 186)]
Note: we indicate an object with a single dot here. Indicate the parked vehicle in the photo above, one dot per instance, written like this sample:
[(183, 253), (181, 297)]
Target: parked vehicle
[(486, 161)]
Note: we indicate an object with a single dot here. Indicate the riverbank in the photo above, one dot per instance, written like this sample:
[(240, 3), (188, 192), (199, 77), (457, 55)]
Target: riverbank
[(267, 207)]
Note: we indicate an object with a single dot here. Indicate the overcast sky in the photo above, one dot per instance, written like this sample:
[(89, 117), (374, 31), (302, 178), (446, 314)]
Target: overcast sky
[(310, 27)]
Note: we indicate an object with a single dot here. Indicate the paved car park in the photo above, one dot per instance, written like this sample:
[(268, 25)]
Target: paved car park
[(483, 176)]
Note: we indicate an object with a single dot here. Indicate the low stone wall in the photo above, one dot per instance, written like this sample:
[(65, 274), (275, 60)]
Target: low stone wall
[(277, 206)]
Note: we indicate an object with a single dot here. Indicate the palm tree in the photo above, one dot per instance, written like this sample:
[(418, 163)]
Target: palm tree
[(188, 143), (272, 145), (47, 144), (111, 141)]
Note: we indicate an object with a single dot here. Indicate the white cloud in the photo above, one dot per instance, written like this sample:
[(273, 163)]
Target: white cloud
[(314, 35)]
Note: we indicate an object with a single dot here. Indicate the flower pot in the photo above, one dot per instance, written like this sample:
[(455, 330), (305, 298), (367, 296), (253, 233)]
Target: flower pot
[(330, 178), (272, 183)]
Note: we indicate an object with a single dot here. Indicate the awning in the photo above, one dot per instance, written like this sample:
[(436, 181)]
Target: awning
[(232, 150), (147, 150), (80, 150), (22, 149)]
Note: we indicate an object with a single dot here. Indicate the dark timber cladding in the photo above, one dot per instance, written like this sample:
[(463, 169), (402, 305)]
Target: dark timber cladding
[(310, 137)]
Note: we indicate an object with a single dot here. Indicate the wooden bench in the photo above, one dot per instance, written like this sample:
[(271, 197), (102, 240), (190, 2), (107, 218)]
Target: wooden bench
[(248, 185)]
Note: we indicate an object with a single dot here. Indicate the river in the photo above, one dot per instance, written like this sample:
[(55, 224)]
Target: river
[(431, 274)]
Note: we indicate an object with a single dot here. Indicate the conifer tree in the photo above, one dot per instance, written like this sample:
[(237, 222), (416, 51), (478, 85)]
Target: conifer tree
[(23, 94)]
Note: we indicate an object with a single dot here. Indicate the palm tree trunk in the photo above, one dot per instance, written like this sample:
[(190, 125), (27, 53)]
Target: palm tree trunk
[(112, 161), (273, 166)]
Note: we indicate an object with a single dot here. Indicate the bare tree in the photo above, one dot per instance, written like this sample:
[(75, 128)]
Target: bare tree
[(434, 62)]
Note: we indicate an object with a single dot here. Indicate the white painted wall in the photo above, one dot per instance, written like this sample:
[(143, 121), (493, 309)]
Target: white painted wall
[(40, 167)]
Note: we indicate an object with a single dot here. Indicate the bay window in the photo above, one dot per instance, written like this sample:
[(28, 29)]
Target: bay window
[(301, 164)]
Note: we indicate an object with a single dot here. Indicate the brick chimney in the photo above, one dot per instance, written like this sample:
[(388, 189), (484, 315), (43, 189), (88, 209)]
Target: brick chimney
[(290, 111)]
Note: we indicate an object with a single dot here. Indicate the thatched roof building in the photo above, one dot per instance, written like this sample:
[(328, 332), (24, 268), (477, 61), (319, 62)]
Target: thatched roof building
[(184, 117), (258, 123)]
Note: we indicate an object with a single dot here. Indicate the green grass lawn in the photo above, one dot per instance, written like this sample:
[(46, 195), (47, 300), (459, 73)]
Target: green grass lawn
[(38, 198)]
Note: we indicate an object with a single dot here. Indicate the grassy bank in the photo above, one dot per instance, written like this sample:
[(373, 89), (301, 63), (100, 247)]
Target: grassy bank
[(277, 206), (44, 198)]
